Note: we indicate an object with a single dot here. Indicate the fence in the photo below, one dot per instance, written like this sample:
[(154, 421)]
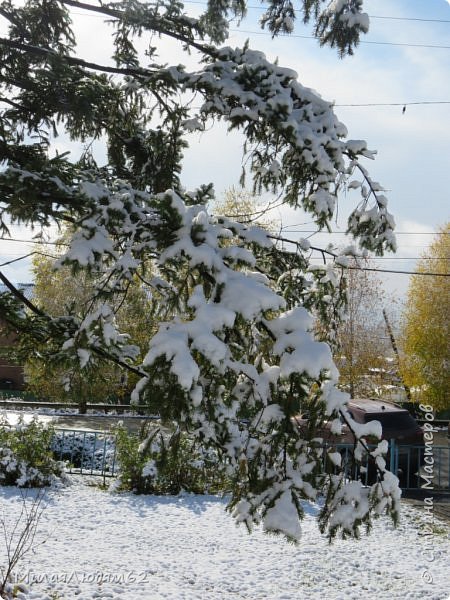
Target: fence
[(424, 467), (86, 452), (416, 466)]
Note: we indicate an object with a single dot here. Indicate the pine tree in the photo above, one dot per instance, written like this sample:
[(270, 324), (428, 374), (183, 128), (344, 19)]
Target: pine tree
[(234, 356), (425, 335)]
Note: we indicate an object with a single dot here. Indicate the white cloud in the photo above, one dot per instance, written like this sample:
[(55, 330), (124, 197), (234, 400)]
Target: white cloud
[(413, 238)]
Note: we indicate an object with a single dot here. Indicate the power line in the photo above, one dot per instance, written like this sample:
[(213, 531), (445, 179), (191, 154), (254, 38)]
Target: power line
[(409, 19), (442, 258), (400, 272), (345, 233), (370, 16), (356, 268), (376, 43), (10, 262), (33, 242), (311, 37), (397, 103), (367, 104), (397, 258), (324, 232)]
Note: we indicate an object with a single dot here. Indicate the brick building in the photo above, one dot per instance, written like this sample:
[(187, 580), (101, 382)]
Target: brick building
[(11, 375)]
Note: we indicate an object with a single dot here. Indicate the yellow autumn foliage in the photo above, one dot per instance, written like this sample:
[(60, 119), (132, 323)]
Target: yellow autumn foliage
[(425, 336)]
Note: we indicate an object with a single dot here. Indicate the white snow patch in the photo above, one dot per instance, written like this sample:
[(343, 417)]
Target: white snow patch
[(120, 546)]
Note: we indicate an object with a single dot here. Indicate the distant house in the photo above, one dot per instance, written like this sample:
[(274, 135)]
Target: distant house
[(11, 375)]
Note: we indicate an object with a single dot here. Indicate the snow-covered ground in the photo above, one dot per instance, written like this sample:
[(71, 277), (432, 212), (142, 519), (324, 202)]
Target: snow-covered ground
[(120, 546)]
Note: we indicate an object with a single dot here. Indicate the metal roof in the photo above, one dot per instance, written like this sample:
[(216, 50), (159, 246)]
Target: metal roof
[(375, 405)]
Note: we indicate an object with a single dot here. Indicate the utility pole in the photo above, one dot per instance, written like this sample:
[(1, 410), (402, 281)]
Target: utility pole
[(397, 356)]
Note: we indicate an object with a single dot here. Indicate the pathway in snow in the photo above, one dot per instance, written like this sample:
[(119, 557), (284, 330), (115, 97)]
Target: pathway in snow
[(100, 545)]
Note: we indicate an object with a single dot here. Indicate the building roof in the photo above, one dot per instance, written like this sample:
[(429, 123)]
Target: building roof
[(25, 288), (375, 405)]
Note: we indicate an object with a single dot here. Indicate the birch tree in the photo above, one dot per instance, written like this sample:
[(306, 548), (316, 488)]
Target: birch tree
[(425, 334)]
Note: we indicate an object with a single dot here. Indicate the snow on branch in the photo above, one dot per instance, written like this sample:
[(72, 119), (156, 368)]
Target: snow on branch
[(233, 354), (299, 145)]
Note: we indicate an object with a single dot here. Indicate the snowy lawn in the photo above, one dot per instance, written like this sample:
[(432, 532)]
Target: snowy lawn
[(120, 546)]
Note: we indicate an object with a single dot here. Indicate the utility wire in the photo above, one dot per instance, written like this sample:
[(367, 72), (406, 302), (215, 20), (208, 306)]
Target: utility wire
[(408, 19), (368, 104), (397, 103), (370, 16), (397, 258), (311, 37), (348, 267), (44, 243), (33, 242), (442, 258), (345, 233), (400, 272), (10, 262)]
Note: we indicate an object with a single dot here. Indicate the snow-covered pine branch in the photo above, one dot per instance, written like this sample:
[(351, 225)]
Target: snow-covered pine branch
[(233, 357)]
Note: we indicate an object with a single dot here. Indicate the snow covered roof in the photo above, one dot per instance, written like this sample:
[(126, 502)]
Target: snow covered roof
[(25, 288)]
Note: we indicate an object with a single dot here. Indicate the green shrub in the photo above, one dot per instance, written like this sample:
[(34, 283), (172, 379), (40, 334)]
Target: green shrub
[(26, 458), (160, 463)]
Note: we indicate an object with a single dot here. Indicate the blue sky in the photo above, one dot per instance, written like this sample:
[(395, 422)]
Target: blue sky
[(413, 161)]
